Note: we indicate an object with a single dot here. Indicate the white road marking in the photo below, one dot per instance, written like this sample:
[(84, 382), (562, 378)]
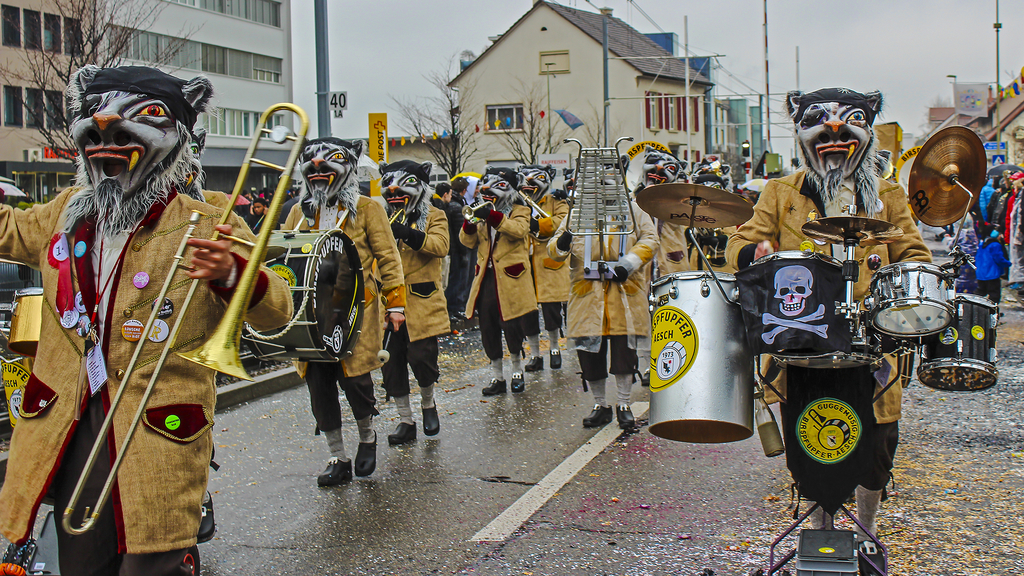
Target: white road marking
[(520, 511)]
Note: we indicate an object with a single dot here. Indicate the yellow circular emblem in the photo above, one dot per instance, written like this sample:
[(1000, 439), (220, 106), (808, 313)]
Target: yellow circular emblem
[(287, 273), (978, 332), (807, 246), (827, 550), (949, 336), (674, 346), (307, 248), (828, 430)]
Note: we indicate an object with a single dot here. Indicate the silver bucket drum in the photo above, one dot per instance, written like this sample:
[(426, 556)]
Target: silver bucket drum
[(962, 357), (702, 370), (911, 299)]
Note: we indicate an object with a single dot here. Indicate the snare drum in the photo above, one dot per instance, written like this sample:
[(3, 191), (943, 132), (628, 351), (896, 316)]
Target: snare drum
[(324, 273), (702, 373), (789, 307), (962, 357), (26, 315), (911, 299)]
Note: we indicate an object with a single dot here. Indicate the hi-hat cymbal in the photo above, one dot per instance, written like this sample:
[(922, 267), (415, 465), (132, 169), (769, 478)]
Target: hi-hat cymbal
[(674, 202), (953, 154), (867, 231)]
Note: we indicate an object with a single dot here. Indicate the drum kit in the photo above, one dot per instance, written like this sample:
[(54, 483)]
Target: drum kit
[(911, 306)]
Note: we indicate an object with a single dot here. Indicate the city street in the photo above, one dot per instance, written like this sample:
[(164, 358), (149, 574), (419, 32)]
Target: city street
[(643, 505)]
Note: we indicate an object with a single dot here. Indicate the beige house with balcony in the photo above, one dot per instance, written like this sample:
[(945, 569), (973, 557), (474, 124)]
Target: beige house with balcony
[(554, 53)]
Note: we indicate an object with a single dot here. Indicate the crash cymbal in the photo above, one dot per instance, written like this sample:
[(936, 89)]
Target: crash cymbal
[(674, 202), (953, 154), (868, 231)]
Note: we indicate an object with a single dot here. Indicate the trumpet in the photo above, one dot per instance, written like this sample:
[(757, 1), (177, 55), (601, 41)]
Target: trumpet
[(221, 351), (534, 205), (468, 211), (399, 216)]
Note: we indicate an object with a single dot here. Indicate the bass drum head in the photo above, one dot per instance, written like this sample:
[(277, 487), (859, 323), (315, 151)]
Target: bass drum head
[(338, 293), (958, 375)]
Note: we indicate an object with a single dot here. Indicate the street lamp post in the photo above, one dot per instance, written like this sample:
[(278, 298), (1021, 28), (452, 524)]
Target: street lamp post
[(547, 72), (957, 119)]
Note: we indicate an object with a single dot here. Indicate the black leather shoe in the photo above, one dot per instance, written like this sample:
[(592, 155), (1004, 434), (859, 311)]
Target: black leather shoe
[(625, 417), (431, 424), (518, 383), (207, 527), (404, 433), (366, 458), (555, 360), (495, 387), (600, 416), (337, 472), (536, 364)]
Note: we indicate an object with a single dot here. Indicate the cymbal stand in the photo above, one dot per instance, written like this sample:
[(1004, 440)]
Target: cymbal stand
[(959, 256), (695, 201)]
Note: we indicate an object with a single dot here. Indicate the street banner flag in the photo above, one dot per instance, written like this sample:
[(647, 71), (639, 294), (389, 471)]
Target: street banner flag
[(570, 119), (971, 99)]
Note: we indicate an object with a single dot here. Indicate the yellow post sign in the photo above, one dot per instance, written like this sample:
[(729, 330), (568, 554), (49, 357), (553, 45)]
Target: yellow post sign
[(378, 145)]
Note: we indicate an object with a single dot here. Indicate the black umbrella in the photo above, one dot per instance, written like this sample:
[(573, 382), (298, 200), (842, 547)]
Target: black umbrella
[(998, 170)]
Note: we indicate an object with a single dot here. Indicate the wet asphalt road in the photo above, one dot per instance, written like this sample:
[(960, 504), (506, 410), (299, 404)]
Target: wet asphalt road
[(642, 506)]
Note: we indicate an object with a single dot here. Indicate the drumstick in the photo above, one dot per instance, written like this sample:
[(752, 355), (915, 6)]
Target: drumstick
[(383, 355)]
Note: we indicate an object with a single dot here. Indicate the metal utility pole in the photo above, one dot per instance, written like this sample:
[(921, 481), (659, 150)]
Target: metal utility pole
[(547, 71), (995, 124), (686, 89), (767, 92), (797, 67), (605, 13), (323, 73)]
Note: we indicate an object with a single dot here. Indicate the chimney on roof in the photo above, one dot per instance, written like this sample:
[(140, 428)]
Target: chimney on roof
[(606, 11)]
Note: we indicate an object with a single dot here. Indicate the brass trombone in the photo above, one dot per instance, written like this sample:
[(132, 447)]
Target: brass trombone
[(399, 216), (529, 202), (467, 211), (220, 352)]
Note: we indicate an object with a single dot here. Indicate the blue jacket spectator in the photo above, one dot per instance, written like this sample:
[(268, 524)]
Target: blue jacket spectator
[(986, 195), (990, 260)]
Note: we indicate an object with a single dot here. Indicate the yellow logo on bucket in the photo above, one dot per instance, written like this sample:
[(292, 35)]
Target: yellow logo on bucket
[(674, 346), (15, 377), (828, 430)]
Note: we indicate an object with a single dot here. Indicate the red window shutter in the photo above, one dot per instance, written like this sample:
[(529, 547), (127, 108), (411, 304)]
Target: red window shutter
[(696, 114), (679, 113), (696, 156), (685, 113), (664, 113), (647, 108)]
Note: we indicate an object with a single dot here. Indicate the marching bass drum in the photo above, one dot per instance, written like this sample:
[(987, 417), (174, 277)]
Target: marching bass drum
[(325, 275)]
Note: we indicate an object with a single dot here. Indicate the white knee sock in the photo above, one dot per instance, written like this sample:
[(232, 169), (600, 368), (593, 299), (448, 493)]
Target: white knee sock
[(517, 364), (624, 383), (597, 387), (366, 432), (404, 408), (336, 444), (427, 397), (534, 342), (553, 339), (868, 504), (497, 371)]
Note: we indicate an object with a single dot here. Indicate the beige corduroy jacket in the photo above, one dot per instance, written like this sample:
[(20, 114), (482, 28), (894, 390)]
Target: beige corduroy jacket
[(426, 309), (509, 256), (160, 488), (550, 277)]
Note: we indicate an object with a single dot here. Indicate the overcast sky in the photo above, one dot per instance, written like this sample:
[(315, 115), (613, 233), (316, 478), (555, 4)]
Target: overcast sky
[(905, 48)]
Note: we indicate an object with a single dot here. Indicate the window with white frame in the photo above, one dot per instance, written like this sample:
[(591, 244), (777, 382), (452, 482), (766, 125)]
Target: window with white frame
[(504, 117), (231, 122)]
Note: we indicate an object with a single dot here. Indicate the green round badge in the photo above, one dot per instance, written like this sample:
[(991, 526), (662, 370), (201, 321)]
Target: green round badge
[(172, 422)]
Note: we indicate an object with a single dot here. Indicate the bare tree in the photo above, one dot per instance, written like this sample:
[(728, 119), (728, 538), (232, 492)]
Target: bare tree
[(539, 133), (441, 114), (100, 32)]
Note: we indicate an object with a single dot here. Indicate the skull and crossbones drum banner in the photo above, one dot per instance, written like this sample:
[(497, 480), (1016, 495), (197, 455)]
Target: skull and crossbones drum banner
[(828, 424), (789, 304)]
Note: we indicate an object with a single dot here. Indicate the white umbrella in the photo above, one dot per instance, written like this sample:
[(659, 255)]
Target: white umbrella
[(12, 191)]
